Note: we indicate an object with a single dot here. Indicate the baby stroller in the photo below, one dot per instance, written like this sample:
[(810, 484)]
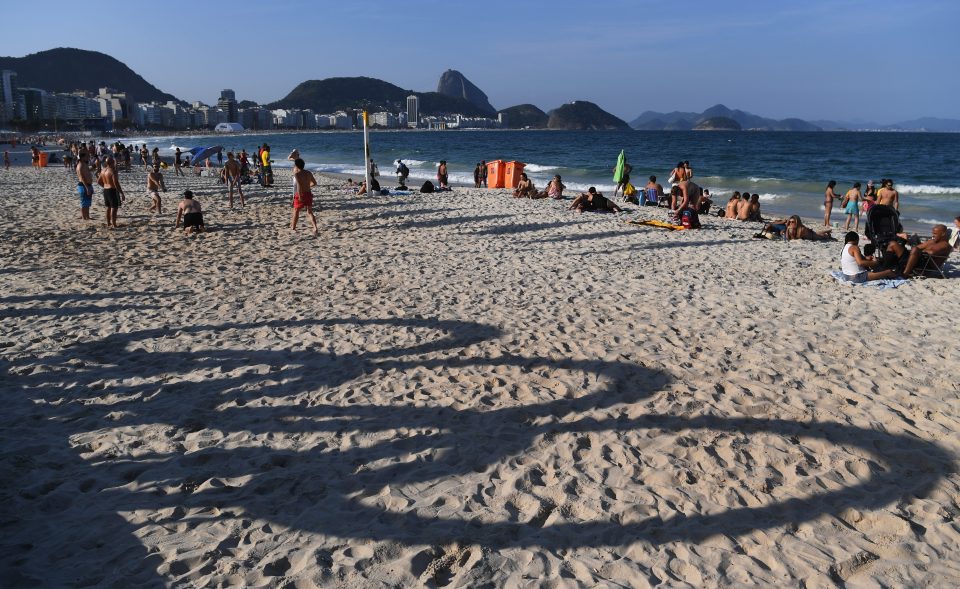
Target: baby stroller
[(883, 224)]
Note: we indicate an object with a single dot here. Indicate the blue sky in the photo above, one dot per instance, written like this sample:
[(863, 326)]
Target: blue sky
[(880, 60)]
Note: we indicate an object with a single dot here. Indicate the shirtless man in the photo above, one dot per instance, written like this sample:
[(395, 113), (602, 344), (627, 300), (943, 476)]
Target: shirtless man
[(689, 196), (189, 211), (154, 186), (84, 185), (851, 206), (232, 170), (525, 187), (828, 196), (303, 197), (937, 248), (113, 193), (743, 207), (887, 195)]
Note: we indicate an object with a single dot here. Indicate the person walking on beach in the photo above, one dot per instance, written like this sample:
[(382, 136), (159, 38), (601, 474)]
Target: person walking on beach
[(84, 185), (112, 191), (442, 175), (178, 163), (828, 196), (232, 172), (403, 172), (887, 195), (303, 180), (154, 186), (851, 206)]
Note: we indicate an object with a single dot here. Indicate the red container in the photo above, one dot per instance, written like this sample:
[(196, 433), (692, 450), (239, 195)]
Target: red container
[(495, 174), (512, 176)]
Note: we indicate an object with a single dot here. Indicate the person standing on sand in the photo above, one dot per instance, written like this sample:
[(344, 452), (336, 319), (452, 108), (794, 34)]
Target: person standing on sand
[(887, 195), (869, 198), (84, 185), (483, 172), (828, 196), (144, 155), (178, 163), (267, 169), (442, 175), (476, 175), (232, 170), (35, 157), (403, 172), (6, 159), (112, 191), (302, 197), (851, 206), (154, 186)]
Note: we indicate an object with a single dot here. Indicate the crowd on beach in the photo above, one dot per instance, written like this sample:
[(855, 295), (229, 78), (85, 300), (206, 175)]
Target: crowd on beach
[(891, 255)]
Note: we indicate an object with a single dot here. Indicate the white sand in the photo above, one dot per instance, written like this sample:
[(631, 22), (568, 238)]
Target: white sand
[(457, 390)]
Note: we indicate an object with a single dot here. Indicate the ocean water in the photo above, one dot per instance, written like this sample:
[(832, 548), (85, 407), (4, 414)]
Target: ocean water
[(788, 170)]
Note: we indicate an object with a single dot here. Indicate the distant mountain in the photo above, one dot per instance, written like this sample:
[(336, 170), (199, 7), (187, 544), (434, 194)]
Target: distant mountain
[(583, 115), (684, 121), (333, 94), (453, 83), (717, 124), (66, 70), (525, 116)]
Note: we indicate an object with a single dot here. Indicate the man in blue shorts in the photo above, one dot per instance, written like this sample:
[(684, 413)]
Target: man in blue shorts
[(84, 185)]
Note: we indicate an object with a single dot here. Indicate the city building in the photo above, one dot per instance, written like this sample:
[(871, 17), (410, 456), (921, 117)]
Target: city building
[(228, 104), (115, 105), (8, 95), (413, 111)]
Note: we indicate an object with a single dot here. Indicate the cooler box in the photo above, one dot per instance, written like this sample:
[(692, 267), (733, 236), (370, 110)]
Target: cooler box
[(513, 171), (44, 159), (495, 174)]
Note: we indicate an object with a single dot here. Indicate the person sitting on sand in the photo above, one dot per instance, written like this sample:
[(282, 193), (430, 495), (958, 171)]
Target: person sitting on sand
[(916, 261), (705, 203), (797, 230), (591, 200), (525, 188), (652, 198), (753, 209), (554, 189), (857, 268), (303, 197), (743, 207), (373, 183), (154, 186), (189, 211), (730, 212)]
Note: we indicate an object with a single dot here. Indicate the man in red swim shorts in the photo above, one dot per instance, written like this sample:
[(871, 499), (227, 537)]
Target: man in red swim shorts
[(302, 197)]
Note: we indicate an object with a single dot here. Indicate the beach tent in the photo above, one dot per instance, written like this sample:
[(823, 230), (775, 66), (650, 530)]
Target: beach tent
[(228, 128), (621, 165), (198, 154)]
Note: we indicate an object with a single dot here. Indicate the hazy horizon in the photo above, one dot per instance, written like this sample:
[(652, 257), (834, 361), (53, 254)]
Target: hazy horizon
[(850, 60)]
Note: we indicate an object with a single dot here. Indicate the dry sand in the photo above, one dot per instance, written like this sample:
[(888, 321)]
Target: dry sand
[(460, 390)]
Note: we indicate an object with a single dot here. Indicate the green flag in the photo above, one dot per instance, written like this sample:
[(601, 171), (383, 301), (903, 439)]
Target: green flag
[(621, 166)]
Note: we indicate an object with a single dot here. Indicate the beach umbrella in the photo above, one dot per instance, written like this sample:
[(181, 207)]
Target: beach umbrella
[(205, 153), (621, 166)]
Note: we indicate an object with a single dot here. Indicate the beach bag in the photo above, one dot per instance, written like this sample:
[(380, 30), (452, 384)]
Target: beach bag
[(629, 190), (427, 187), (689, 219)]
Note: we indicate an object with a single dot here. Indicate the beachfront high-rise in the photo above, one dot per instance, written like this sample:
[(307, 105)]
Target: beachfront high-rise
[(228, 103), (413, 111), (8, 95)]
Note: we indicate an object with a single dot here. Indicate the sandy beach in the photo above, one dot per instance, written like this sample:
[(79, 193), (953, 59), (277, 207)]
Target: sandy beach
[(460, 390)]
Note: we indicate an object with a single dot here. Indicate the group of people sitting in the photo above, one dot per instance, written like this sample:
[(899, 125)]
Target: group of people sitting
[(526, 188), (742, 207), (924, 259)]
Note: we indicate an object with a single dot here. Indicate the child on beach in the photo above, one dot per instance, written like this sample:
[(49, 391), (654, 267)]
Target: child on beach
[(154, 186), (302, 197), (189, 210)]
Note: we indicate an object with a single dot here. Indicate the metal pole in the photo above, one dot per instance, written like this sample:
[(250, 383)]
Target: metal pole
[(366, 153)]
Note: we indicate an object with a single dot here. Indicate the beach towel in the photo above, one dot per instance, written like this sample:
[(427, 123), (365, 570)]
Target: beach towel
[(656, 223), (877, 284)]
